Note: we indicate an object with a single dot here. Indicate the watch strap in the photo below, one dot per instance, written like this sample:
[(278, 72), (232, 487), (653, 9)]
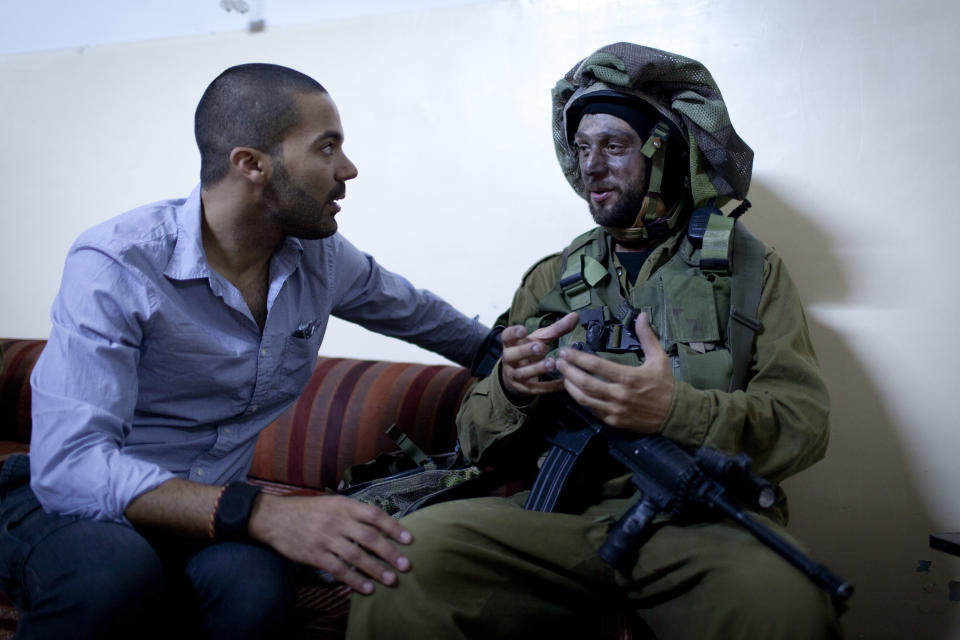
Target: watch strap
[(231, 520)]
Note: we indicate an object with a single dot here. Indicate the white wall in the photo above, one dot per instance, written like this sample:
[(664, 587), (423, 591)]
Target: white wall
[(848, 105)]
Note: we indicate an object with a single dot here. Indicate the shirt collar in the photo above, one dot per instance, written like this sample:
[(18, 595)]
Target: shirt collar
[(188, 260)]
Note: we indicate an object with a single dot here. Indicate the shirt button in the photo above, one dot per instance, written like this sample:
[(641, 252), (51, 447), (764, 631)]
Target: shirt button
[(200, 472), (226, 430), (263, 352), (254, 407)]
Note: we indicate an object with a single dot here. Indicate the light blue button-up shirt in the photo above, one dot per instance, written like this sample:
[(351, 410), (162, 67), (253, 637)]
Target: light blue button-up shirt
[(155, 367)]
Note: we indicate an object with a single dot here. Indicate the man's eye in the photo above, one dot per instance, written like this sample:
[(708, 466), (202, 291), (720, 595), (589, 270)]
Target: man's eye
[(327, 149)]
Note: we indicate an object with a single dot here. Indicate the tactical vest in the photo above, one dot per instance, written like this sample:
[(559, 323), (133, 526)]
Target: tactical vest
[(702, 303)]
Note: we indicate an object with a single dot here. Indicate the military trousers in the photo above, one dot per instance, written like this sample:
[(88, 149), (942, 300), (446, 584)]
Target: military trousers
[(487, 568)]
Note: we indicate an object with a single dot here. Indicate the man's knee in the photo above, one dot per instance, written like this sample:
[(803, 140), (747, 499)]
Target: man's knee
[(243, 590), (91, 575)]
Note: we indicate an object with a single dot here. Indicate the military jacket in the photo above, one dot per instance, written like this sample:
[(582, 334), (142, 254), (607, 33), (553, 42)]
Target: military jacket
[(780, 419)]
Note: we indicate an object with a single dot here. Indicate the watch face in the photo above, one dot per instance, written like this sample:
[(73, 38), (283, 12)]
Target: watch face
[(233, 512), (233, 507)]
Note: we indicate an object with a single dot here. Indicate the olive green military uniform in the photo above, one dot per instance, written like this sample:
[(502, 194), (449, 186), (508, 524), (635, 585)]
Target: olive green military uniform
[(486, 568)]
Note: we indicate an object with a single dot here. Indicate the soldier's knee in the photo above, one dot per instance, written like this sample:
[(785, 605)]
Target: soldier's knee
[(428, 600), (769, 598), (439, 534)]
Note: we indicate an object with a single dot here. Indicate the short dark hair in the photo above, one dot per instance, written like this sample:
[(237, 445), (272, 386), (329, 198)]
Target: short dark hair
[(249, 105)]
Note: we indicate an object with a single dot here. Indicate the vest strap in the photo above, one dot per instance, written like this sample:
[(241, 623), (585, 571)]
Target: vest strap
[(407, 445), (746, 286), (583, 272), (655, 149), (715, 253)]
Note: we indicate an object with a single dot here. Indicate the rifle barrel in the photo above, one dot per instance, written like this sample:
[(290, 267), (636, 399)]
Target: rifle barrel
[(822, 576)]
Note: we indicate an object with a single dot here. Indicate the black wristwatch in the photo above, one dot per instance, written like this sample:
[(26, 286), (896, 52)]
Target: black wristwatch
[(232, 519)]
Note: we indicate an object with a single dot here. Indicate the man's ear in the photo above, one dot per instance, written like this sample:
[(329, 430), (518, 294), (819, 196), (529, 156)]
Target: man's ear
[(251, 164)]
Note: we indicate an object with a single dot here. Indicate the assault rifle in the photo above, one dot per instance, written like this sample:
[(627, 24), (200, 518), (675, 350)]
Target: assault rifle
[(669, 480)]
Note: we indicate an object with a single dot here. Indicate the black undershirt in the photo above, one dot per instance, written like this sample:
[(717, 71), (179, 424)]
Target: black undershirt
[(633, 261)]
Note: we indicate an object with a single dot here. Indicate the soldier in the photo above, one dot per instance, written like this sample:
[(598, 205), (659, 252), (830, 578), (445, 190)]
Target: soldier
[(726, 361)]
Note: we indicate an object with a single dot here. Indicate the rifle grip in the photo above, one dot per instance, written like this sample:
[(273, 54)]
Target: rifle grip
[(624, 537)]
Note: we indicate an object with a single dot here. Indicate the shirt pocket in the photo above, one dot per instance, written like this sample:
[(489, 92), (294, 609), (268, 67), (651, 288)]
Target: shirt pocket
[(299, 361)]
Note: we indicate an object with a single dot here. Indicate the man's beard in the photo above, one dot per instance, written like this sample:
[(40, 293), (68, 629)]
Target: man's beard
[(300, 214), (622, 214)]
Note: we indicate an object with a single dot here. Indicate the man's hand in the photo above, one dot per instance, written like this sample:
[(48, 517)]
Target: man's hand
[(524, 358), (346, 538), (633, 398)]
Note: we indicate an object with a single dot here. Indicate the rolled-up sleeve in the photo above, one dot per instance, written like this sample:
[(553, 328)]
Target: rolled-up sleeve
[(85, 392)]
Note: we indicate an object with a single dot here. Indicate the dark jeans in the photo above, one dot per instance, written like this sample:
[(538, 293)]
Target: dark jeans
[(80, 578)]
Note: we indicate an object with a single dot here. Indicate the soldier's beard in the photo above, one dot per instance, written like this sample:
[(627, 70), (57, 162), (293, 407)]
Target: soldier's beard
[(622, 213)]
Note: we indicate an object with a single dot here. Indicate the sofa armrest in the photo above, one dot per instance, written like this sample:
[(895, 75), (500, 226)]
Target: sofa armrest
[(343, 414), (19, 356)]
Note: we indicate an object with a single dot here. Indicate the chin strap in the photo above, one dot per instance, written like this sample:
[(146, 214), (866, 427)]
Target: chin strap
[(653, 221)]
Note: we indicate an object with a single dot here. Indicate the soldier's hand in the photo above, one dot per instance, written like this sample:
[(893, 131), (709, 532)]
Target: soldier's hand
[(348, 539), (524, 358), (634, 398)]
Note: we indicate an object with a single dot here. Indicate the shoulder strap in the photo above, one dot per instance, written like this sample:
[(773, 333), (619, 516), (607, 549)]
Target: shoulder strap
[(746, 285), (581, 269)]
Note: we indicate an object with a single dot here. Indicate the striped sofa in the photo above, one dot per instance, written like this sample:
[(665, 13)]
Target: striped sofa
[(339, 420)]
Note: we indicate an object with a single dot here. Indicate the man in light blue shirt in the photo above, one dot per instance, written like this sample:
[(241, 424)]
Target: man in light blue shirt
[(183, 328)]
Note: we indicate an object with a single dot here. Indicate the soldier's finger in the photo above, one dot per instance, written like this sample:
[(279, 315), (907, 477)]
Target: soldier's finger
[(563, 326), (523, 354), (513, 335), (576, 376), (532, 372), (648, 339), (597, 366), (598, 405)]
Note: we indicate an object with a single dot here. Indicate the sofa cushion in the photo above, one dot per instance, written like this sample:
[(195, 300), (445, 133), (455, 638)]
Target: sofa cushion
[(341, 418)]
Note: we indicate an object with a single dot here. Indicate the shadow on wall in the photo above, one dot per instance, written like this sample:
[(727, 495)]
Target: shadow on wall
[(858, 510)]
